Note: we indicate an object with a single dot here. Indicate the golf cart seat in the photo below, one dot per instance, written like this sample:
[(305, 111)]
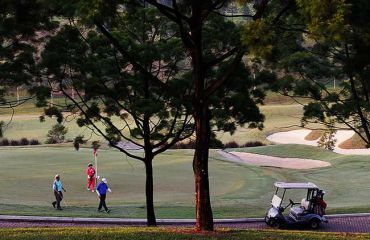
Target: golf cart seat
[(297, 211), (305, 204), (301, 210)]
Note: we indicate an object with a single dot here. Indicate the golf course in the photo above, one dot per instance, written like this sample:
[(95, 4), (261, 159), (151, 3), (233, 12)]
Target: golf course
[(237, 189)]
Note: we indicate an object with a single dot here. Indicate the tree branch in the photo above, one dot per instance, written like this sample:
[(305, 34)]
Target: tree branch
[(230, 70)]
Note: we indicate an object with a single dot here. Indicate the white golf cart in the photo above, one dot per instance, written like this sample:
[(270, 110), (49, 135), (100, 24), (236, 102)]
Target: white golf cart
[(302, 215)]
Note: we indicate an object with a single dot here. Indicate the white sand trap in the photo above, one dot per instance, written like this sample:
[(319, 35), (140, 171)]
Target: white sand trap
[(297, 137), (268, 161)]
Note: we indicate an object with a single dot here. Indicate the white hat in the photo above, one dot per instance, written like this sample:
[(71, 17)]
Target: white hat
[(104, 180)]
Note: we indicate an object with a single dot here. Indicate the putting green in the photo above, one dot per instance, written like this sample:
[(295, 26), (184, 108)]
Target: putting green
[(26, 176)]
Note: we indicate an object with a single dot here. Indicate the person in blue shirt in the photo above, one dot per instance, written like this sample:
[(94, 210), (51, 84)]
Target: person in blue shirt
[(101, 190), (57, 188)]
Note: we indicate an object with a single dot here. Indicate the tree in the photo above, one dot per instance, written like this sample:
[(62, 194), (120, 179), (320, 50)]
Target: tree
[(20, 21), (56, 134), (331, 42), (327, 140), (221, 93), (195, 19), (115, 98)]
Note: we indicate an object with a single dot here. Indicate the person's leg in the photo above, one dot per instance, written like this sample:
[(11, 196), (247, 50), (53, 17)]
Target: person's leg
[(56, 198), (88, 183), (103, 202), (92, 184), (59, 199), (100, 203)]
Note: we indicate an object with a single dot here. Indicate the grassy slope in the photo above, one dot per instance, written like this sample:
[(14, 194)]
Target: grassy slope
[(163, 233)]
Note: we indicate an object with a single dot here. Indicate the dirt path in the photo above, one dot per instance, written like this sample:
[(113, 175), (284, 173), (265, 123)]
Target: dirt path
[(269, 161)]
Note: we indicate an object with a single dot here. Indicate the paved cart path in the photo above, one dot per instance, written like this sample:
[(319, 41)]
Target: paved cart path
[(337, 223)]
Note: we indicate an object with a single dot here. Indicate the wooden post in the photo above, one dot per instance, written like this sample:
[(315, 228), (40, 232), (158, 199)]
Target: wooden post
[(96, 166), (17, 94)]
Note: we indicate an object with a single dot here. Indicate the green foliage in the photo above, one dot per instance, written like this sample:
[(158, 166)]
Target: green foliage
[(327, 140), (56, 134), (327, 19), (19, 22), (259, 37), (54, 111), (78, 141), (95, 145), (331, 43)]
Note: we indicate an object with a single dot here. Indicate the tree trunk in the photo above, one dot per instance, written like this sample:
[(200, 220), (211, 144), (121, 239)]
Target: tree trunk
[(151, 220), (204, 216), (356, 98)]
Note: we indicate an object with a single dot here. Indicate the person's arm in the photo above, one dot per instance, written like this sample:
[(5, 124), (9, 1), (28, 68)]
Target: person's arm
[(97, 190)]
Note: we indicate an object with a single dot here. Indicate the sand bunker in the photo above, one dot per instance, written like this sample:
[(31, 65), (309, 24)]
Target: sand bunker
[(298, 137), (268, 161)]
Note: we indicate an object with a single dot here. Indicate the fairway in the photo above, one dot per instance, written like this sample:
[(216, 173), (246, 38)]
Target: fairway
[(26, 123), (237, 190)]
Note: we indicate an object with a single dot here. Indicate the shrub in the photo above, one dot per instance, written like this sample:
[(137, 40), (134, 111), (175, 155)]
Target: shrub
[(253, 144), (4, 142), (215, 144), (56, 134), (184, 145), (24, 141), (14, 143), (231, 144), (34, 142)]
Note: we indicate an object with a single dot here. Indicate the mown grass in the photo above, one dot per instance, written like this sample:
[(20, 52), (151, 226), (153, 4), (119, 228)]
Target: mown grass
[(237, 190), (281, 114), (277, 117), (26, 175), (346, 182), (83, 233)]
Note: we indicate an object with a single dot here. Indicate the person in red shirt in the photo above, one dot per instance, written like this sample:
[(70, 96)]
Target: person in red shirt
[(90, 171)]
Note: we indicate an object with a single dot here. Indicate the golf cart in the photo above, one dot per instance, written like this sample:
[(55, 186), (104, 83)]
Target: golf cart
[(302, 215)]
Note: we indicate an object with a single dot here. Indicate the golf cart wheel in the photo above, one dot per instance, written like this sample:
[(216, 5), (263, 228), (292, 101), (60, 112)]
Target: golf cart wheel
[(267, 221), (314, 224), (275, 224)]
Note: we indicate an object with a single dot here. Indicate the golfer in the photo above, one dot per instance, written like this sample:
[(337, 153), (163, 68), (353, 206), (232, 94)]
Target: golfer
[(101, 190), (90, 171), (57, 188)]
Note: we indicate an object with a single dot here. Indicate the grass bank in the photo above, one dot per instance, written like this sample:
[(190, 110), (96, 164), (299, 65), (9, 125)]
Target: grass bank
[(167, 233)]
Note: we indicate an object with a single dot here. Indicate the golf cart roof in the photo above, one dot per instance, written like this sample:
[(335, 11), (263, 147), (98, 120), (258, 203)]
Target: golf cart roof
[(285, 185)]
